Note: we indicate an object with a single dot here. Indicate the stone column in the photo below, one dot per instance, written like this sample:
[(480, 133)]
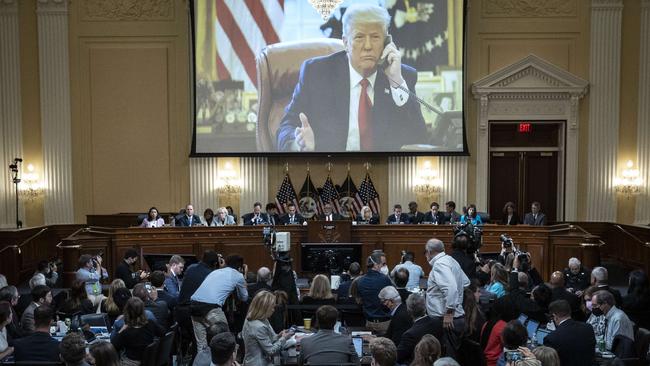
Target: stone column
[(255, 183), (604, 105), (642, 214), (203, 179), (55, 110), (453, 171), (11, 141), (401, 172)]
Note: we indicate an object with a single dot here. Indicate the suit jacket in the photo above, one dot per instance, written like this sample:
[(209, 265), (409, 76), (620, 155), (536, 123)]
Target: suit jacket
[(410, 338), (323, 94), (438, 219), (529, 219), (261, 343), (327, 348), (183, 220), (37, 346), (297, 219), (27, 319), (514, 220), (399, 323), (170, 300), (248, 219), (172, 285), (416, 218), (574, 342), (403, 218), (335, 217), (374, 220)]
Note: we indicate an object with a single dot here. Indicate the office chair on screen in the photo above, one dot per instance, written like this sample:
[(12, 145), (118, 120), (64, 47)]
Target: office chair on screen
[(278, 68)]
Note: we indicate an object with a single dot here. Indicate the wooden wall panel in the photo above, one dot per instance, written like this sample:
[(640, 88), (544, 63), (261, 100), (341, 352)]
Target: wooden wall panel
[(130, 126)]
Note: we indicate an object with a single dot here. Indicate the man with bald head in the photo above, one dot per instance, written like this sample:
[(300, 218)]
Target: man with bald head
[(264, 277), (445, 288), (559, 292)]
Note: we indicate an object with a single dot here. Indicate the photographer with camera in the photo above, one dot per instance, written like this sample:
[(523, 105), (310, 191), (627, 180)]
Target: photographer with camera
[(125, 272), (49, 270), (208, 300), (91, 272)]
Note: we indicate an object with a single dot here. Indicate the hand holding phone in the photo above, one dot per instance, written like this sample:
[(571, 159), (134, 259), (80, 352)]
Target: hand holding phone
[(391, 62)]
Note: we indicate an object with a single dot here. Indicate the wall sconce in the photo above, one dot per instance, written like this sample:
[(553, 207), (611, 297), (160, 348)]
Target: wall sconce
[(227, 180), (630, 182), (427, 181), (30, 187)]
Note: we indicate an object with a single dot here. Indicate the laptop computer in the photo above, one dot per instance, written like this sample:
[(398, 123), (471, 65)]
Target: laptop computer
[(522, 319), (531, 327), (541, 334)]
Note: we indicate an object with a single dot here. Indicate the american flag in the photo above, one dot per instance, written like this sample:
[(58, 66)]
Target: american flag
[(286, 194), (330, 195), (368, 194), (349, 190), (243, 28)]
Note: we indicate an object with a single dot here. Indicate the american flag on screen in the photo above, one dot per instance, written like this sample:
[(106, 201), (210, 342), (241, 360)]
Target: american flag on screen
[(330, 195), (368, 194), (286, 194), (243, 28)]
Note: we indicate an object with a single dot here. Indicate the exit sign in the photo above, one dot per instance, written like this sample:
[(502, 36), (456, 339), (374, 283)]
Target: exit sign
[(525, 127)]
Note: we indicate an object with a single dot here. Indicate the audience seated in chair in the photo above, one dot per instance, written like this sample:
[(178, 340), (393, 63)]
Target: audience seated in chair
[(38, 346), (327, 347)]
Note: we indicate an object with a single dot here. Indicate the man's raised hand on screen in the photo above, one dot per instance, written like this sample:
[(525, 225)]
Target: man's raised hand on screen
[(304, 135)]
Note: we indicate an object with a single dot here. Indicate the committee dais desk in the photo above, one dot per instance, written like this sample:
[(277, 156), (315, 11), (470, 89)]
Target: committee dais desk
[(549, 246)]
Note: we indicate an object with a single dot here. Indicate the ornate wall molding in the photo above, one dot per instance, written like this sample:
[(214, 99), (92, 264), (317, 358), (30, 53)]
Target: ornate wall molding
[(11, 139), (52, 6), (604, 106), (642, 214), (530, 8), (56, 127), (530, 89), (127, 10)]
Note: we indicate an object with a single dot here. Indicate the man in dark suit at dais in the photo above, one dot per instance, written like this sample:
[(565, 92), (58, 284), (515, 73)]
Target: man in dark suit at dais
[(352, 100)]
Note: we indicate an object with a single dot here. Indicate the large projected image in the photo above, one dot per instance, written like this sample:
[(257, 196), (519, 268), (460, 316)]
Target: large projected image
[(272, 76)]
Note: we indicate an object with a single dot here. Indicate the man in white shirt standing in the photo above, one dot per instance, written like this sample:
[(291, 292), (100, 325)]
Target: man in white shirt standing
[(445, 294)]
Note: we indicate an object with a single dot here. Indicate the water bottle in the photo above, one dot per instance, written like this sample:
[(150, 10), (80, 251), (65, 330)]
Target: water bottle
[(601, 344)]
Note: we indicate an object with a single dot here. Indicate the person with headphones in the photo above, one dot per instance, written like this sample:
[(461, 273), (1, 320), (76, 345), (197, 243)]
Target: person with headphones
[(368, 287)]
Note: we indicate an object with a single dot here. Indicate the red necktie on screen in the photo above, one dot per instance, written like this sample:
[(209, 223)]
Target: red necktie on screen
[(365, 132)]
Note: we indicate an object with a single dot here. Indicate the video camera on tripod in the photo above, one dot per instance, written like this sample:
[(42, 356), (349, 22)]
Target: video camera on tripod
[(278, 243)]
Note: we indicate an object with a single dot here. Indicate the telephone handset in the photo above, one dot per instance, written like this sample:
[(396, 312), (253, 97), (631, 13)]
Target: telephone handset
[(382, 61)]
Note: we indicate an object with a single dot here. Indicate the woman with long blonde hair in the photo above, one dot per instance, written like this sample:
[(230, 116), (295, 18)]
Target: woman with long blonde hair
[(260, 340), (108, 305), (320, 292)]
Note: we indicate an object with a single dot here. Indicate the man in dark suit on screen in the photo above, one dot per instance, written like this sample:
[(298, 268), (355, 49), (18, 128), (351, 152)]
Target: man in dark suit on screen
[(351, 100)]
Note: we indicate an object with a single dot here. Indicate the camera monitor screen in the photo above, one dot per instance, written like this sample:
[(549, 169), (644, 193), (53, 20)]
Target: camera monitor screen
[(271, 76)]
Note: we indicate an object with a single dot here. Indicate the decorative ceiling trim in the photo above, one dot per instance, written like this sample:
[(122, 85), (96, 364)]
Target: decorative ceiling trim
[(530, 8), (127, 10)]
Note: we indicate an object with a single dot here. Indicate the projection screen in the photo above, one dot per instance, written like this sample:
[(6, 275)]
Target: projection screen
[(273, 77)]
